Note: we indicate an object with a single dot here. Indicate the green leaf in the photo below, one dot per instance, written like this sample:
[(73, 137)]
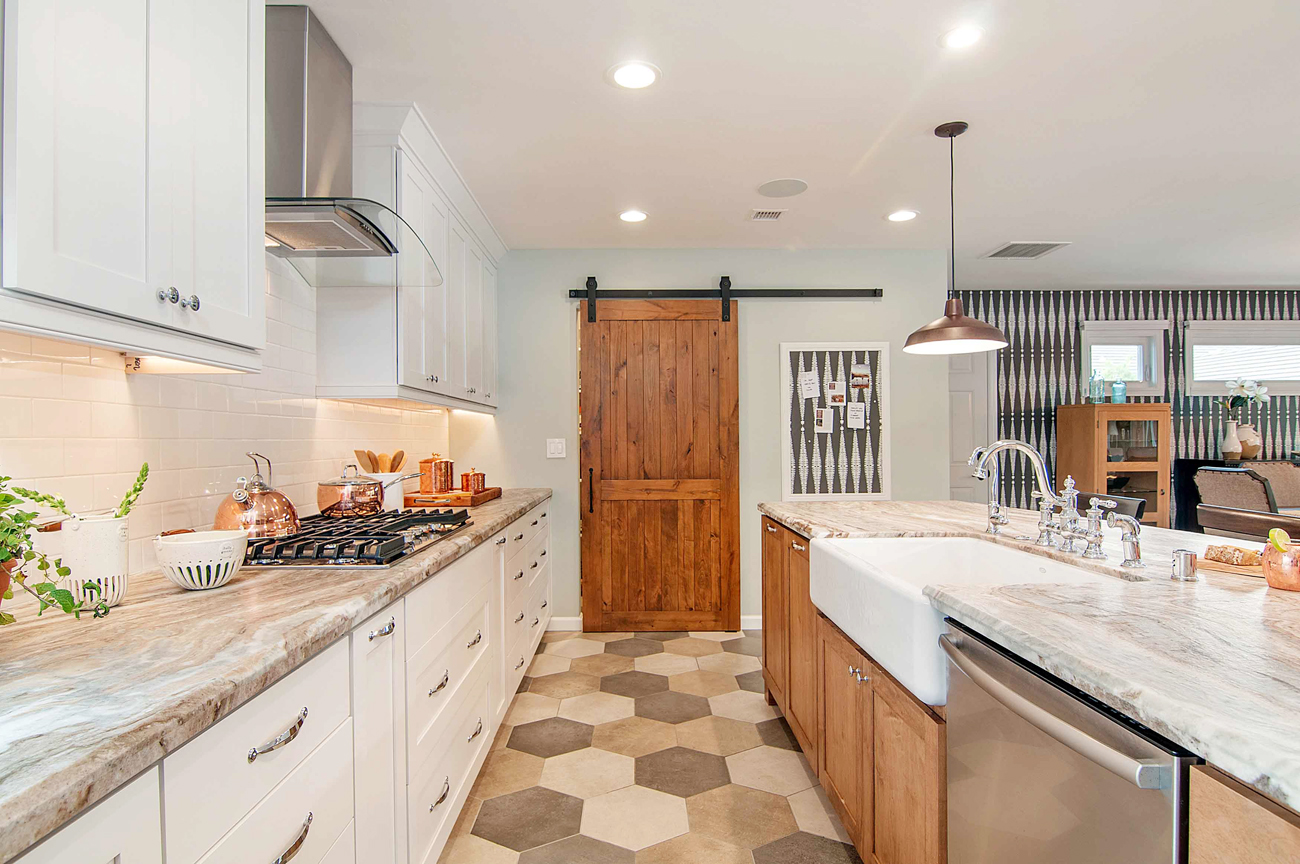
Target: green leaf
[(64, 598), (90, 587), (6, 618), (44, 587), (63, 571)]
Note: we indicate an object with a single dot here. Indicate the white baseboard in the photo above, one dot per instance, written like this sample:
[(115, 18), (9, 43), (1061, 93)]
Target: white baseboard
[(747, 622)]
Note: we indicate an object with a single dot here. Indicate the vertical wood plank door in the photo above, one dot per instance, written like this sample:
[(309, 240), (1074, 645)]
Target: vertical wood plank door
[(660, 466)]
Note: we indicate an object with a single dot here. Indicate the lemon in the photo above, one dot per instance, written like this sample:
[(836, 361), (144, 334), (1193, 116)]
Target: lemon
[(1280, 539)]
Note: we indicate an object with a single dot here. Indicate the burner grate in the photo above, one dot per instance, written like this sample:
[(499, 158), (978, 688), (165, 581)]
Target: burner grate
[(363, 541)]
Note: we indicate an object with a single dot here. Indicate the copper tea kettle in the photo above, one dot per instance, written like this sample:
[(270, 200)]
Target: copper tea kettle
[(256, 507)]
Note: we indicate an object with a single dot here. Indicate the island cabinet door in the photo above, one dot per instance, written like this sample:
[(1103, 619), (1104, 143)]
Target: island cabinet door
[(124, 828), (379, 735), (776, 609), (844, 685), (909, 800), (801, 711), (1229, 823)]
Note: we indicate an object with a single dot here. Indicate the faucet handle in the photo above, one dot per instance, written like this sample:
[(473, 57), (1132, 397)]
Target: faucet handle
[(1099, 504)]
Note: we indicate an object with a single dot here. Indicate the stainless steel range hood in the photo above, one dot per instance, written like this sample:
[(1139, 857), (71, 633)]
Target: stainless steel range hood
[(313, 220)]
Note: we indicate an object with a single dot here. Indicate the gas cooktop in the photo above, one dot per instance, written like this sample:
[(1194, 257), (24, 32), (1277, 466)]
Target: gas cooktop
[(361, 541)]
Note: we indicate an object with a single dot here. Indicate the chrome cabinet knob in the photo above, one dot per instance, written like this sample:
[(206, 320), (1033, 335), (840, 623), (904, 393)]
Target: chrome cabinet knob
[(165, 294), (433, 378), (191, 302)]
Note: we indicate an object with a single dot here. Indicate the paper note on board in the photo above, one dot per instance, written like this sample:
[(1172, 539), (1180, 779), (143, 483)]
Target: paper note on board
[(807, 385), (836, 391), (860, 376), (856, 418), (824, 420)]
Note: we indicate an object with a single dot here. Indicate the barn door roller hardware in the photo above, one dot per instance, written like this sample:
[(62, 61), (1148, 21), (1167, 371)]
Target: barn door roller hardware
[(723, 292)]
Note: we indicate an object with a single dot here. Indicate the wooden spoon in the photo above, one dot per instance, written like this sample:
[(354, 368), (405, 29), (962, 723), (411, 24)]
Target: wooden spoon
[(398, 458), (385, 463), (363, 459), (374, 460)]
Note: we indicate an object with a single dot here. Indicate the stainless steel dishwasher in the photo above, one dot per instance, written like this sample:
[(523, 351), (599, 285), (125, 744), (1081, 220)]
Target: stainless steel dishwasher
[(1038, 772)]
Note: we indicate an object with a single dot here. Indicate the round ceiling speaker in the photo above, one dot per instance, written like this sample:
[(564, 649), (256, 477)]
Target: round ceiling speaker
[(784, 188)]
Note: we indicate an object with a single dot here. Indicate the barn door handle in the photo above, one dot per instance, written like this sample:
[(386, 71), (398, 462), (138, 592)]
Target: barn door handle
[(591, 490)]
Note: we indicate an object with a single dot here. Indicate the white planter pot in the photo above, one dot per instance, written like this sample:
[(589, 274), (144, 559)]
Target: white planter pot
[(94, 548), (1230, 446)]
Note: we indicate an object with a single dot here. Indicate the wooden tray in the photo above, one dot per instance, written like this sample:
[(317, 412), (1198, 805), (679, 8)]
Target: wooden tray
[(1236, 569), (453, 499)]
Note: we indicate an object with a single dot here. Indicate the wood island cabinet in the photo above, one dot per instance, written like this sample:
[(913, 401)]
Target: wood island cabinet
[(880, 754), (1230, 823), (1123, 449)]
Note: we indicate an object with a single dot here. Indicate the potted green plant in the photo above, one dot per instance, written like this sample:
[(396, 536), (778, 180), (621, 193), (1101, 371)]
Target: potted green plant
[(18, 556)]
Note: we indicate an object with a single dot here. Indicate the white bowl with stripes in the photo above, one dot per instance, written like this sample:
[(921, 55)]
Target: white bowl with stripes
[(199, 560)]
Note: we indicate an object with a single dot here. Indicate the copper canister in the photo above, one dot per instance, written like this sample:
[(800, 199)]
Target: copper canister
[(443, 474), (426, 475), (473, 481)]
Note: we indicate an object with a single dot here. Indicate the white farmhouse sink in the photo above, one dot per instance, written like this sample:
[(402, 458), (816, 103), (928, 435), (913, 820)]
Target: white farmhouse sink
[(872, 589)]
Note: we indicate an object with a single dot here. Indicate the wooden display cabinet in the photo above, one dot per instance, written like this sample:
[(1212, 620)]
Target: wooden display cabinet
[(1119, 449)]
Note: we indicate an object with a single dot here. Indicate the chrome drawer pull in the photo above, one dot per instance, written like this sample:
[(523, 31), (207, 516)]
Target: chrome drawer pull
[(446, 790), (442, 685), (288, 854), (520, 537), (536, 621), (501, 542), (794, 545), (478, 637), (543, 553), (857, 673), (520, 664), (533, 566), (280, 740), (770, 529), (535, 522), (520, 576), (520, 618), (543, 515), (546, 603), (386, 630), (478, 730)]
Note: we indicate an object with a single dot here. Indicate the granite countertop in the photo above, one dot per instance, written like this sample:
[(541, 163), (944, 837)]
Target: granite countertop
[(87, 705), (1213, 665)]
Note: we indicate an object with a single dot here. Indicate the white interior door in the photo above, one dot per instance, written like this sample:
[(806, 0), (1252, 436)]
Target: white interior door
[(78, 222), (972, 415)]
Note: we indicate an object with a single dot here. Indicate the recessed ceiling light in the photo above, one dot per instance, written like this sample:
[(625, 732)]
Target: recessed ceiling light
[(902, 216), (632, 216), (784, 188), (961, 37), (633, 76)]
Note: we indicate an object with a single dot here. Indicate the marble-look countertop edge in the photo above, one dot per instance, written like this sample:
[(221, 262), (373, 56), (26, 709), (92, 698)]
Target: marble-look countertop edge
[(35, 810)]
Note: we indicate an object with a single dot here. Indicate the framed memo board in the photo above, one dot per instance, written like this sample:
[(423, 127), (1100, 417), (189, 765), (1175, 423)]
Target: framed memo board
[(834, 422)]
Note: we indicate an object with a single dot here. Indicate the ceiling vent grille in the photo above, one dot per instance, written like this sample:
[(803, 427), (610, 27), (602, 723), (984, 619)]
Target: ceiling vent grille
[(766, 215), (1025, 250)]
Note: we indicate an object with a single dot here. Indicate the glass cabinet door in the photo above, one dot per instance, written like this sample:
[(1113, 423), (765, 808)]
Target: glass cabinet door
[(1132, 440)]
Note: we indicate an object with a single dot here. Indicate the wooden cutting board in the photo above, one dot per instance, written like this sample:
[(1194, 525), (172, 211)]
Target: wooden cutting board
[(1236, 569), (452, 499)]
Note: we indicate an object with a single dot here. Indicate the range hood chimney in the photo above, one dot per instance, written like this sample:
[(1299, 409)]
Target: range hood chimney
[(313, 218)]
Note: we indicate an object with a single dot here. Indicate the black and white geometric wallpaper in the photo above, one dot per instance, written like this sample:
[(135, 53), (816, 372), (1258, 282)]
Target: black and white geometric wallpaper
[(1039, 369)]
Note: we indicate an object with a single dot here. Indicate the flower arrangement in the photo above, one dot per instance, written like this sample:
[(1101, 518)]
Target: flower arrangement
[(1242, 392)]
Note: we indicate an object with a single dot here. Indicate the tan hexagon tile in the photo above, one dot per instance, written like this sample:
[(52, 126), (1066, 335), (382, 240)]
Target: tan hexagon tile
[(634, 817), (564, 685), (578, 850), (741, 816), (506, 771), (730, 664), (717, 635), (601, 665), (503, 737), (468, 849), (532, 817), (721, 736), (548, 664), (815, 814), (596, 708), (572, 648), (702, 683), (743, 705), (607, 637), (667, 663), (528, 707), (781, 772), (634, 736), (560, 635), (693, 848), (802, 846), (588, 773), (692, 647)]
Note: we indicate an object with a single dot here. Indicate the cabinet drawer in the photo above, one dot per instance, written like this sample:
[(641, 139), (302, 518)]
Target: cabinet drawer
[(520, 533), (432, 605), (309, 809), (536, 614), (211, 782), (442, 673), (517, 617), (124, 828), (435, 789), (344, 850), (537, 555)]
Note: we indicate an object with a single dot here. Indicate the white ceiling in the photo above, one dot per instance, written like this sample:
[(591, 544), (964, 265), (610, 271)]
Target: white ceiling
[(1162, 137)]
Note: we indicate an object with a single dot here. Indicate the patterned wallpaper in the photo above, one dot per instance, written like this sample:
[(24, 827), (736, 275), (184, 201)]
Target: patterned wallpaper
[(1040, 368)]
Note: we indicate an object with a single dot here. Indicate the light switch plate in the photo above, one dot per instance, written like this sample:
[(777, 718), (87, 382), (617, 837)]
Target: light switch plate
[(555, 448)]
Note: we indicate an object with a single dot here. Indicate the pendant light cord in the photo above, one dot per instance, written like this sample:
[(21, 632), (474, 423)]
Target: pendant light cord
[(952, 221)]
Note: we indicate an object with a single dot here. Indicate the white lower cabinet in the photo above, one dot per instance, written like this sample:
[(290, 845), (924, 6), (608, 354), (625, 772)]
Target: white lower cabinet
[(125, 828), (379, 736)]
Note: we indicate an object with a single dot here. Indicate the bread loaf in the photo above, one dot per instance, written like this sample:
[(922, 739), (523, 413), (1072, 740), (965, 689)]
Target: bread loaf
[(1233, 555)]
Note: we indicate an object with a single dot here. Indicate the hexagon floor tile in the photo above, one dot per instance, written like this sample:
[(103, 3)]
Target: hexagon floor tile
[(646, 748)]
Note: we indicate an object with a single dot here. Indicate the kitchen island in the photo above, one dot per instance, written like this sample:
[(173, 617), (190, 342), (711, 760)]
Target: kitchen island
[(85, 706), (1212, 665)]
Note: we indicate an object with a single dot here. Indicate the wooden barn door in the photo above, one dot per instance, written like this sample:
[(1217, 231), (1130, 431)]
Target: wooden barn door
[(660, 473)]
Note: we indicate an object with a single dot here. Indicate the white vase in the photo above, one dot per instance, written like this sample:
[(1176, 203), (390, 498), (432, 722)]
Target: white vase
[(1251, 442), (94, 548), (1230, 445)]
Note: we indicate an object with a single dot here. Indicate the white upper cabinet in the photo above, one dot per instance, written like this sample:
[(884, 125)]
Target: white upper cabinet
[(133, 165), (489, 334)]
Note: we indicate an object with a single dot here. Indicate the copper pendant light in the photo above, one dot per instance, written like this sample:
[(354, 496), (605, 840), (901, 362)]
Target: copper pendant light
[(956, 332)]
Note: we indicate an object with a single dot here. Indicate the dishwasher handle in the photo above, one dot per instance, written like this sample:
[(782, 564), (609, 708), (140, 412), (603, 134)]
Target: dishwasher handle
[(1144, 774)]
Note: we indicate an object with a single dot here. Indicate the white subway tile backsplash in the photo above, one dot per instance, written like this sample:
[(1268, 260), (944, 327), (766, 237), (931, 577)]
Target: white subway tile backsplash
[(73, 423)]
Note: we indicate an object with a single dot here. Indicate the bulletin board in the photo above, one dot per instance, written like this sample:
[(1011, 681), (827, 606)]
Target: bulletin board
[(834, 397)]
